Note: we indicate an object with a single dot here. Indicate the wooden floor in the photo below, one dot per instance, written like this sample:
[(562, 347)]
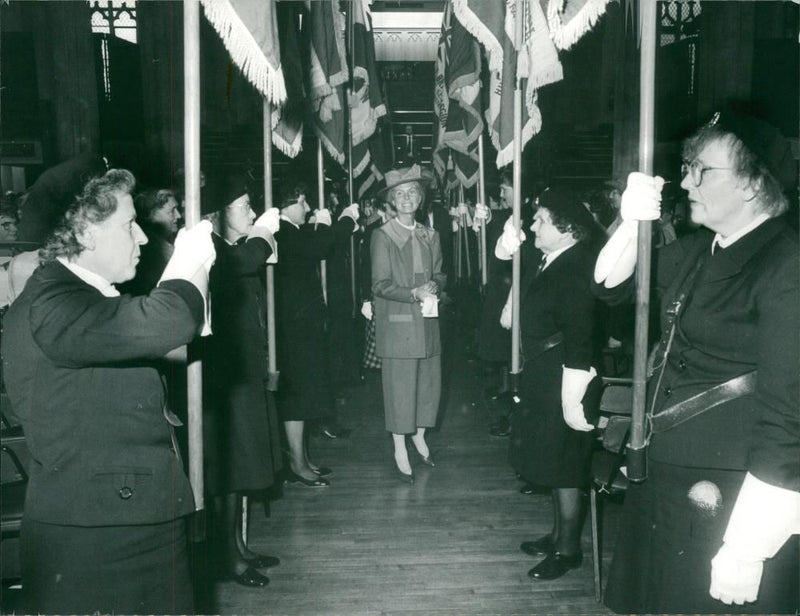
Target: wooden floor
[(449, 544)]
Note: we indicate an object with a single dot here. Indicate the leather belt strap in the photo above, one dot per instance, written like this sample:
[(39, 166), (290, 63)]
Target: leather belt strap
[(540, 346), (705, 400)]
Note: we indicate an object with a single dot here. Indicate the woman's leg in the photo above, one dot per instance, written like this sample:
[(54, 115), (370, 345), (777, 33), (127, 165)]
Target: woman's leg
[(295, 437), (569, 514), (401, 454), (420, 444)]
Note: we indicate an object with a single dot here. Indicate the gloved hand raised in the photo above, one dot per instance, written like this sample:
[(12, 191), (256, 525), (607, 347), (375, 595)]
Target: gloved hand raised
[(194, 251), (351, 211), (321, 216), (641, 199), (269, 220), (573, 387), (509, 242), (482, 212), (366, 310)]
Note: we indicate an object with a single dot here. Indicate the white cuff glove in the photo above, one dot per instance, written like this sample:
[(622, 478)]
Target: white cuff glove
[(366, 310), (351, 211), (573, 387), (762, 520), (509, 242), (453, 211), (270, 220), (194, 249), (642, 197), (505, 315), (322, 217)]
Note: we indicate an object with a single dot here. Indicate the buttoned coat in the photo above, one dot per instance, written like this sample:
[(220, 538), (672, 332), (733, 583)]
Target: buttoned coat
[(244, 438), (401, 330), (302, 315), (79, 372)]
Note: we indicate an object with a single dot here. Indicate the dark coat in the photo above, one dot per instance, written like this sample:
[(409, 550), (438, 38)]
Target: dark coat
[(742, 315), (244, 435), (544, 449), (79, 372), (305, 382), (494, 342), (401, 330)]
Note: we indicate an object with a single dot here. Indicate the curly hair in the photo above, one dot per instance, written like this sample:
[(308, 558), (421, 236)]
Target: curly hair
[(150, 201), (746, 165), (96, 203)]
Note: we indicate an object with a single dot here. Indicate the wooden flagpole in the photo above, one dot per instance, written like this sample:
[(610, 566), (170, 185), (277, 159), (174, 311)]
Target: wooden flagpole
[(350, 192), (636, 456), (191, 154), (323, 265), (482, 199), (517, 174)]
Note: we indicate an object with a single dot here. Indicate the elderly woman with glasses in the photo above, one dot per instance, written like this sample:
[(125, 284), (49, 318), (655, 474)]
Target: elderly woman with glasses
[(406, 281), (709, 530)]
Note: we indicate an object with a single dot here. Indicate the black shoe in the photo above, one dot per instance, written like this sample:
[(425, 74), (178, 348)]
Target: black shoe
[(555, 565), (407, 478), (334, 432), (262, 561), (250, 577), (502, 427), (426, 461), (527, 489), (322, 471), (540, 547), (292, 477)]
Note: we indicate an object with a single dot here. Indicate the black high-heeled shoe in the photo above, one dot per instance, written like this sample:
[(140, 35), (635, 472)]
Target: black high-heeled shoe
[(292, 477), (322, 471), (262, 561), (427, 461), (406, 477), (250, 577)]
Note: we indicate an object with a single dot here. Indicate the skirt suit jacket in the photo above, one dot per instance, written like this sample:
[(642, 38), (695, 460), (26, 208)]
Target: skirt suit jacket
[(543, 448), (741, 314), (79, 370), (401, 330), (302, 318), (243, 431)]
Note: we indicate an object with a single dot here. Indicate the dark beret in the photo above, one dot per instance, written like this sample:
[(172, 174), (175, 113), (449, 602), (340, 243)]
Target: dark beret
[(565, 203), (762, 139), (222, 190)]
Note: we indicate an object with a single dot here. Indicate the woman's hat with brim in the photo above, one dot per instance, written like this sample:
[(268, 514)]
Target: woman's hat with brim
[(404, 175), (220, 191)]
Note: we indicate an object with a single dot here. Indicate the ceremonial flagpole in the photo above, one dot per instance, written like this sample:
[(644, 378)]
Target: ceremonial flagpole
[(323, 265), (191, 154), (636, 456), (516, 212), (482, 199)]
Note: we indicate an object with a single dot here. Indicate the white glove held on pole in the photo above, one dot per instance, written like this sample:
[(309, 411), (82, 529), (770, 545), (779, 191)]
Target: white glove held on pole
[(366, 310), (641, 200), (269, 220), (509, 242), (191, 260), (573, 387), (322, 217), (482, 213), (505, 315), (351, 211), (762, 520)]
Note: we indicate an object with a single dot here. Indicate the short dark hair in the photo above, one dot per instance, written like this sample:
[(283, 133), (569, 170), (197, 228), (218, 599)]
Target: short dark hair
[(291, 193), (568, 212), (96, 202), (150, 201)]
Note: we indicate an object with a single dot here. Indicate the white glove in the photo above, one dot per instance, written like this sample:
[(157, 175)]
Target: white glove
[(322, 216), (463, 209), (270, 220), (194, 249), (762, 520), (482, 212), (642, 197), (573, 388), (351, 211), (505, 315), (454, 218), (509, 242), (366, 310)]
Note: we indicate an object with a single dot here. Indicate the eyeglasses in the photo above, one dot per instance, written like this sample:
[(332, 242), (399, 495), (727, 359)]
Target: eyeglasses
[(696, 169)]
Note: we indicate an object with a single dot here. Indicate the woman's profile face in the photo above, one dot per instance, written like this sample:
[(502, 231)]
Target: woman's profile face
[(239, 217), (547, 236), (406, 198), (167, 216)]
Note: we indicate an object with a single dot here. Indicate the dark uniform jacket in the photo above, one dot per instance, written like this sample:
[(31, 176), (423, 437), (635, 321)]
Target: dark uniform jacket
[(244, 443), (80, 376), (742, 314)]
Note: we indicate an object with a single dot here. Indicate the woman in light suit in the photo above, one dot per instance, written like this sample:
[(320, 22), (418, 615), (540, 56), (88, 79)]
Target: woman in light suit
[(406, 280)]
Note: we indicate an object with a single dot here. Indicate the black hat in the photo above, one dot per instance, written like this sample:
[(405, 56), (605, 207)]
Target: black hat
[(220, 191), (565, 202), (762, 139)]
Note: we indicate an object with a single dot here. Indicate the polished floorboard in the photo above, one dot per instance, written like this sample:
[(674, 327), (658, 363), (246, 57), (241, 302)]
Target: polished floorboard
[(449, 544)]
